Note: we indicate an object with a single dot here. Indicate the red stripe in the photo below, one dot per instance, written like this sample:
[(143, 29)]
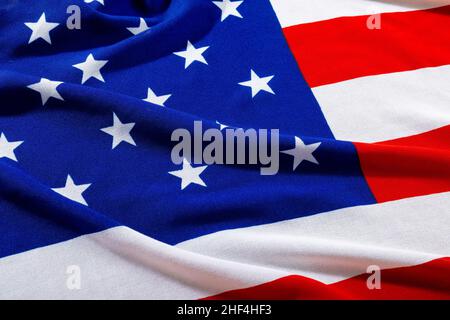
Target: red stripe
[(427, 281), (344, 48), (407, 167)]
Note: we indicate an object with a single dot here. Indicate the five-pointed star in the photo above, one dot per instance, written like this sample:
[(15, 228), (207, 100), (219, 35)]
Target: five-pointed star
[(47, 89), (91, 68), (7, 148), (189, 174), (222, 126), (158, 100), (41, 29), (229, 8), (120, 132), (192, 54), (99, 1), (142, 27), (72, 191), (258, 84), (302, 152)]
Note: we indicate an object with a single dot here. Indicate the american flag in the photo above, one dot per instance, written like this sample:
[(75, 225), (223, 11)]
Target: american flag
[(92, 207)]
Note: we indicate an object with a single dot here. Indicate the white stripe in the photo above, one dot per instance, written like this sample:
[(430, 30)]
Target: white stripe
[(293, 12), (121, 263), (337, 245), (388, 106)]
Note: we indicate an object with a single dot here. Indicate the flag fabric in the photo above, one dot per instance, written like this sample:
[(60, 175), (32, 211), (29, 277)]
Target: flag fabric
[(359, 90)]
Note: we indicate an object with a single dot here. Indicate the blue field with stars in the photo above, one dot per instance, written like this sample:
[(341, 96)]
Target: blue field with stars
[(87, 114)]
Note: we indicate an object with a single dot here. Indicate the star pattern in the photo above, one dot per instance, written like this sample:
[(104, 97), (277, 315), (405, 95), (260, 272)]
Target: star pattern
[(257, 83), (120, 132), (158, 100), (47, 89), (91, 68), (142, 27), (192, 54), (189, 174), (302, 152), (73, 191), (7, 148), (228, 8), (41, 29)]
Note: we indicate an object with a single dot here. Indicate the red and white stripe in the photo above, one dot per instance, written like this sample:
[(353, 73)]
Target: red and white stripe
[(295, 12), (373, 85)]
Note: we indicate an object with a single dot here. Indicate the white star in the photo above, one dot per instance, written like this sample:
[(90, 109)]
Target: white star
[(222, 126), (158, 100), (72, 191), (189, 174), (41, 29), (257, 84), (229, 8), (142, 27), (302, 152), (47, 89), (91, 68), (99, 1), (192, 54), (120, 132), (7, 148)]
